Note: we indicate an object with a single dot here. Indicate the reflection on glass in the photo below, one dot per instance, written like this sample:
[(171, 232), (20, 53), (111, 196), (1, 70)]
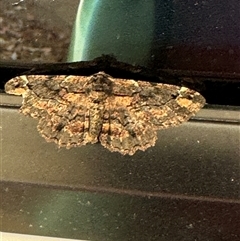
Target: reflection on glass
[(124, 29), (199, 36)]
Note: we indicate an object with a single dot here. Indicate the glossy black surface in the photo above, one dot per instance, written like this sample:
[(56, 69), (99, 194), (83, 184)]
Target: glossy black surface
[(186, 187), (51, 211)]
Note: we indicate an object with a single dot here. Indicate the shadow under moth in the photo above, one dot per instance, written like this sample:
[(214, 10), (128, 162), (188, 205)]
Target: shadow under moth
[(122, 114)]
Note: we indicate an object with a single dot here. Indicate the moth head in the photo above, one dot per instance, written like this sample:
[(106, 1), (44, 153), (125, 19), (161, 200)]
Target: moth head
[(101, 82), (17, 85)]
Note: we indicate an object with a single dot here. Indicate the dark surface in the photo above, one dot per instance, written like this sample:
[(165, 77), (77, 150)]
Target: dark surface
[(51, 211), (186, 187), (197, 35)]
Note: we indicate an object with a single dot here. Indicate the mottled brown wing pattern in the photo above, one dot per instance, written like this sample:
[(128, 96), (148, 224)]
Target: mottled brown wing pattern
[(123, 115)]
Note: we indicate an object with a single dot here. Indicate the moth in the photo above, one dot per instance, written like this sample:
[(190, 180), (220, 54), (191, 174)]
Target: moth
[(124, 115)]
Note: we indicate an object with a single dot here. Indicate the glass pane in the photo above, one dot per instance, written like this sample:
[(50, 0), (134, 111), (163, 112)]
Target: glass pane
[(189, 35)]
